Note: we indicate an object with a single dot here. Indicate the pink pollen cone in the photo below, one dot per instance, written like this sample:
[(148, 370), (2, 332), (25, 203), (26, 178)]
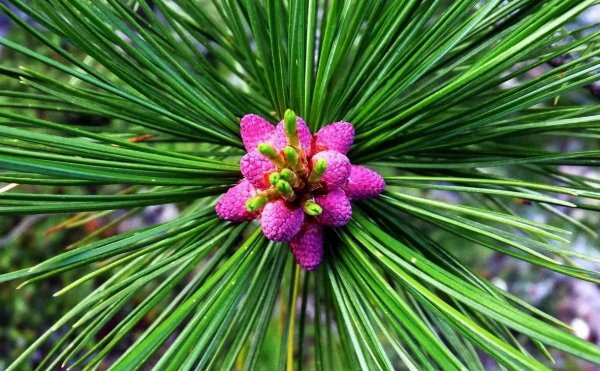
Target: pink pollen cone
[(282, 218), (256, 168), (338, 168), (280, 139), (307, 245), (280, 222), (232, 205), (363, 183), (337, 210), (338, 136), (255, 130)]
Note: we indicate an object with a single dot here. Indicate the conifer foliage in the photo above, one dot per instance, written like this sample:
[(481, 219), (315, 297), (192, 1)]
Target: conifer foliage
[(440, 96)]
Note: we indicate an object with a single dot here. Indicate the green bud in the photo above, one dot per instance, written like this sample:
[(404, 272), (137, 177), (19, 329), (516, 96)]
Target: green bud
[(274, 178), (320, 166), (256, 203), (312, 208), (289, 120), (286, 174), (291, 128), (285, 188), (267, 149), (291, 155), (272, 154), (317, 172)]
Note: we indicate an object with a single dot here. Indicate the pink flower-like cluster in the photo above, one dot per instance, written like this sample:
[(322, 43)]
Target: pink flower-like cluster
[(297, 183)]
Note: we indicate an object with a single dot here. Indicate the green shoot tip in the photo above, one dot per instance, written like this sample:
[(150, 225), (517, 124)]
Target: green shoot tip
[(312, 208), (291, 128), (274, 178), (317, 172), (287, 174), (291, 155), (256, 203), (320, 166), (285, 188), (289, 120), (267, 150)]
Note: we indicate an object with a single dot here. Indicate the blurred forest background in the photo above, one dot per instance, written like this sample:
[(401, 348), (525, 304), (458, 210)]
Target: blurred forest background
[(28, 311)]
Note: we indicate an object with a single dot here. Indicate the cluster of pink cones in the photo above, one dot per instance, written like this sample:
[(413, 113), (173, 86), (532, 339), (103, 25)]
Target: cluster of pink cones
[(297, 183)]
